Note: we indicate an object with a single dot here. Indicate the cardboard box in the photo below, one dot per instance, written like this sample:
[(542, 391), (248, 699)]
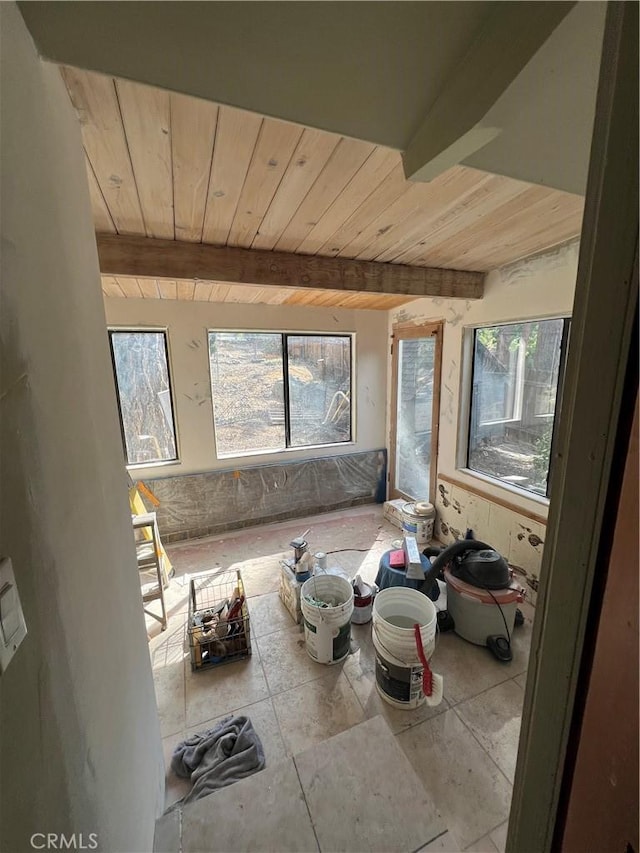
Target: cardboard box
[(392, 511), (289, 592), (412, 558)]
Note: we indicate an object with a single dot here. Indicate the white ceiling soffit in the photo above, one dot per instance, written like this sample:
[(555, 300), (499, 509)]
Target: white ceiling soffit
[(546, 115), (455, 125), (377, 71), (369, 70)]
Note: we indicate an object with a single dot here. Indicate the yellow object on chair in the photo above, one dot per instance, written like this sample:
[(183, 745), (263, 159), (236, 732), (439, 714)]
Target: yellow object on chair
[(136, 504)]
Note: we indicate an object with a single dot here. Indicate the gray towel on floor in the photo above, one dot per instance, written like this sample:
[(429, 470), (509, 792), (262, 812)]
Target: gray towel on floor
[(218, 757)]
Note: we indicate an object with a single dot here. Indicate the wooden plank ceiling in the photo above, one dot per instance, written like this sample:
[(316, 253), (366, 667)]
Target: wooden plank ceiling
[(211, 291), (168, 166)]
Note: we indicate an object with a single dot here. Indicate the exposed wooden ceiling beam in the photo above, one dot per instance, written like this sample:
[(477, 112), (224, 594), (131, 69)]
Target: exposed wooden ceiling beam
[(145, 257)]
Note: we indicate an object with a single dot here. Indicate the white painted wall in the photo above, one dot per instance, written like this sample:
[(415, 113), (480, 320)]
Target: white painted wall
[(540, 286), (80, 748), (559, 108), (188, 324)]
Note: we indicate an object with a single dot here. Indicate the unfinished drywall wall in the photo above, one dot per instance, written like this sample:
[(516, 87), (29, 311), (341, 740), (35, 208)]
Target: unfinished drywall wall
[(188, 323), (519, 538), (80, 744), (536, 287)]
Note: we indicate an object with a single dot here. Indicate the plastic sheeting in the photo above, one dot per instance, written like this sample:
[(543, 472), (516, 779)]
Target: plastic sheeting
[(194, 505)]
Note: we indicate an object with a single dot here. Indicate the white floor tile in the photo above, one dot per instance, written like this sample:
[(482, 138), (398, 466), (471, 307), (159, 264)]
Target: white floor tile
[(260, 576), (169, 646), (363, 794), (285, 660), (170, 696), (265, 812), (213, 692), (494, 718), (464, 783), (482, 845), (521, 680), (499, 836), (467, 669), (314, 712), (445, 843), (268, 615), (166, 838)]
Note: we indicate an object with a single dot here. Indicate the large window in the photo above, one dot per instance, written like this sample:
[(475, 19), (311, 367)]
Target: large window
[(517, 373), (141, 370), (271, 391)]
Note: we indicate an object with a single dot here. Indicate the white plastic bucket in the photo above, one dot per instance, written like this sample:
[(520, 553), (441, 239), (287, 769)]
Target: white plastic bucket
[(398, 668), (419, 524), (363, 604), (327, 630)]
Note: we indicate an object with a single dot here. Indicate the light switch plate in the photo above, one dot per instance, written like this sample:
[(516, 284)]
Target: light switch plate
[(13, 628)]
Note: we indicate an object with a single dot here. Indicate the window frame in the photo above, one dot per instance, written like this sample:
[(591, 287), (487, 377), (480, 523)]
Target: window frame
[(406, 332), (284, 335), (466, 394), (152, 330)]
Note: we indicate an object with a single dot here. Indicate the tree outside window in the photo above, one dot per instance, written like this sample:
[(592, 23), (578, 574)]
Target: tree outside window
[(273, 391), (141, 370), (517, 371)]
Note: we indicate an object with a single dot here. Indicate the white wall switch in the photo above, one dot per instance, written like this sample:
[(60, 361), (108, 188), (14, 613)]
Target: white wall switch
[(13, 628)]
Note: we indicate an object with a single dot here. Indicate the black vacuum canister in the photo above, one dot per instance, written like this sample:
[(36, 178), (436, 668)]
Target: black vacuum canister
[(485, 569)]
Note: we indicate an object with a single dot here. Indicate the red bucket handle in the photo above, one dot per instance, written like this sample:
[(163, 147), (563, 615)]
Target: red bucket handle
[(427, 675)]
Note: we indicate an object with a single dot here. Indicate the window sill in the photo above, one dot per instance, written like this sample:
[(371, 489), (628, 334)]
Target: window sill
[(283, 450), (506, 421), (499, 484), (529, 504), (137, 466)]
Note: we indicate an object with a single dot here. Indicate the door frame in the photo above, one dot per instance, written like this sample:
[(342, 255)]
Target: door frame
[(402, 332), (586, 457)]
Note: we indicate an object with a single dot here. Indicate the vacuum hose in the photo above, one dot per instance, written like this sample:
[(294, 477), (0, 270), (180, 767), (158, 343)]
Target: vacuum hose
[(446, 555)]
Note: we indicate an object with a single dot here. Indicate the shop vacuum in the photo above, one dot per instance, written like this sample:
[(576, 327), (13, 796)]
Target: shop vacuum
[(482, 596)]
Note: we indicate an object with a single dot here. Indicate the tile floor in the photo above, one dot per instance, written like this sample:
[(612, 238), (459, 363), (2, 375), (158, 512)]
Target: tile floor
[(463, 751), (315, 801)]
